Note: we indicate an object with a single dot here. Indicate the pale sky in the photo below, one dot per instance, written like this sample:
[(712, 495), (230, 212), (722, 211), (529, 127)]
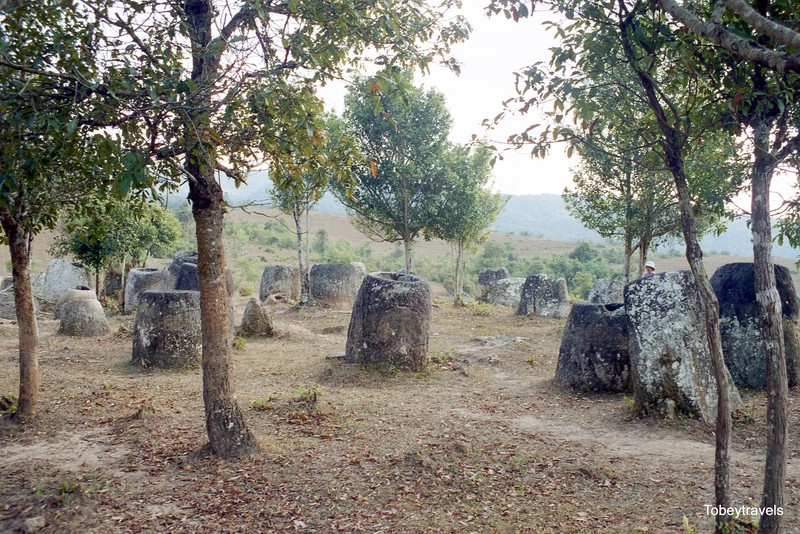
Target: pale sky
[(496, 49)]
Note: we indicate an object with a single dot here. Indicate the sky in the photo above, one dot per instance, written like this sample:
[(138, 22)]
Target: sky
[(496, 49)]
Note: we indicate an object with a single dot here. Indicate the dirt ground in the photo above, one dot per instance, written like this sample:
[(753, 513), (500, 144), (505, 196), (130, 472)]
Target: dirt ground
[(482, 442)]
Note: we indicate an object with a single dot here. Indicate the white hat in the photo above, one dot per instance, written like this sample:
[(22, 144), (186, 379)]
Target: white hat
[(650, 264)]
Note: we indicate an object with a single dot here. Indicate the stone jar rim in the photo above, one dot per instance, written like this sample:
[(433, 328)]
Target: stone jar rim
[(397, 277)]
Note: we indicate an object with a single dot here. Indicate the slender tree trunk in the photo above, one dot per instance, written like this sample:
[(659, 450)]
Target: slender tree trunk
[(644, 249), (97, 282), (305, 280), (771, 328), (626, 274), (407, 246), (228, 434), (123, 281), (458, 279), (672, 146), (694, 255), (19, 248), (302, 268)]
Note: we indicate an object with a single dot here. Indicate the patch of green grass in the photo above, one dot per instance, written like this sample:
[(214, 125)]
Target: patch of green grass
[(262, 403), (484, 309), (8, 404)]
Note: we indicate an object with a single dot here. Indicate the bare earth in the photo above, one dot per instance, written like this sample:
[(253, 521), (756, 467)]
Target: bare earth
[(482, 442)]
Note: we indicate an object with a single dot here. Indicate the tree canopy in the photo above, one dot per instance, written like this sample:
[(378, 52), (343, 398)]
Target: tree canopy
[(401, 132)]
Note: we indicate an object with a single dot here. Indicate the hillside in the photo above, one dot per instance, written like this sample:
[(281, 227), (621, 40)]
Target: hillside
[(544, 216)]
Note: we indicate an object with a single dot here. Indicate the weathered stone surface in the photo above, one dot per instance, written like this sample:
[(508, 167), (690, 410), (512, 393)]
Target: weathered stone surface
[(34, 524), (139, 281), (390, 322), (669, 352), (505, 292), (83, 318), (742, 343), (60, 276), (256, 321), (594, 349), (167, 332), (544, 297), (79, 293), (487, 278), (171, 272), (335, 285), (8, 307), (605, 291), (187, 279), (283, 279), (112, 284)]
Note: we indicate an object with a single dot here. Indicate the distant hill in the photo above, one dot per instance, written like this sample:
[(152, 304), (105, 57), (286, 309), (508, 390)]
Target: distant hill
[(546, 216), (542, 216)]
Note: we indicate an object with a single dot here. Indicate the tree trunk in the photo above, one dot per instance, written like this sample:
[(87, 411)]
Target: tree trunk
[(19, 248), (626, 273), (771, 328), (123, 281), (672, 145), (694, 255), (302, 268), (644, 248), (407, 246), (458, 278), (228, 434), (97, 283), (305, 274)]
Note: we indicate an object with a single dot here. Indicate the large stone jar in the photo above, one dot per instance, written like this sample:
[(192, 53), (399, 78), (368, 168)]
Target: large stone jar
[(390, 322), (283, 279), (594, 349), (167, 332), (139, 281), (335, 285)]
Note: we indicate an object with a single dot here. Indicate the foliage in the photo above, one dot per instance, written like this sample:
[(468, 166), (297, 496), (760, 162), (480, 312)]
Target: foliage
[(401, 130), (467, 208), (623, 198), (309, 396), (196, 87), (581, 268), (119, 229), (262, 403)]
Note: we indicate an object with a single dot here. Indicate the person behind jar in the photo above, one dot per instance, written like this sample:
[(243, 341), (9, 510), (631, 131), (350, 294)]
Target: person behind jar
[(649, 269)]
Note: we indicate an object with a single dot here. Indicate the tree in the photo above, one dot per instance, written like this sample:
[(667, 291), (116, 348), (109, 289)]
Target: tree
[(402, 133), (300, 181), (296, 198), (651, 58), (118, 229), (467, 209), (761, 94), (200, 87), (619, 198), (47, 158)]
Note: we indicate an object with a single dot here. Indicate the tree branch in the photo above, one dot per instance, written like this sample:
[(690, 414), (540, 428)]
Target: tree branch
[(744, 48)]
